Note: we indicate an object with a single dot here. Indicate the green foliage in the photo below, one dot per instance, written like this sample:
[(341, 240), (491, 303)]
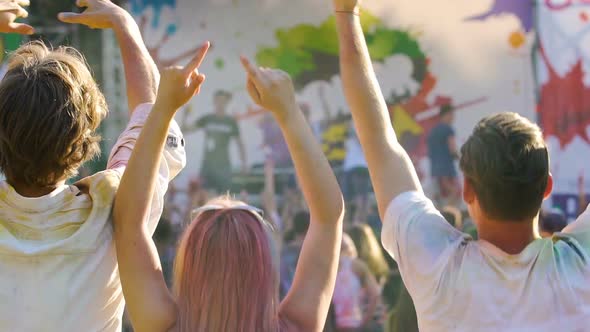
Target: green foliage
[(44, 12), (310, 52), (12, 42)]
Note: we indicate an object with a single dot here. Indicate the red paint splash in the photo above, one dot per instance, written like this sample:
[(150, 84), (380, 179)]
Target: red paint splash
[(564, 104)]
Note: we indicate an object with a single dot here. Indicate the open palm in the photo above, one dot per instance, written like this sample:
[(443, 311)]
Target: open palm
[(99, 14)]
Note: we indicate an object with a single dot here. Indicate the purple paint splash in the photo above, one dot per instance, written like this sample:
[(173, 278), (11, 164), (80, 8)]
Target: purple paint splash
[(523, 9)]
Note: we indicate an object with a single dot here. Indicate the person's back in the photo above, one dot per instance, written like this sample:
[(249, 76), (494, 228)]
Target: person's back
[(55, 264), (58, 267), (45, 243), (463, 285), (509, 280)]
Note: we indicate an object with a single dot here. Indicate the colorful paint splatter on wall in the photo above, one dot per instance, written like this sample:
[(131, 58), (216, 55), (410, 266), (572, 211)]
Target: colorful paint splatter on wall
[(563, 85), (310, 53), (523, 10), (564, 97), (139, 9)]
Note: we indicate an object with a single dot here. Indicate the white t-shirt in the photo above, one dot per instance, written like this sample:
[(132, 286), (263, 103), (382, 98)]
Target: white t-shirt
[(458, 284), (355, 158), (58, 265)]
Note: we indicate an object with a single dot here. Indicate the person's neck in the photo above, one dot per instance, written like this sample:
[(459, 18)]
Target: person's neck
[(35, 191), (512, 237)]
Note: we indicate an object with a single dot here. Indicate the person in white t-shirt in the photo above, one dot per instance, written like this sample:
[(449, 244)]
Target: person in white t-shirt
[(58, 265), (510, 279)]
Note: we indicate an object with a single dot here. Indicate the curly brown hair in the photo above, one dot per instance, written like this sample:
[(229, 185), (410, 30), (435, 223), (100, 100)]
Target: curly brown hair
[(50, 108)]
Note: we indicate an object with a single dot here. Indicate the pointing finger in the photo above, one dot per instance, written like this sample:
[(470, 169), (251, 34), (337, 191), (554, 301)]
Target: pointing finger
[(252, 71), (21, 28), (198, 58), (72, 17), (253, 91)]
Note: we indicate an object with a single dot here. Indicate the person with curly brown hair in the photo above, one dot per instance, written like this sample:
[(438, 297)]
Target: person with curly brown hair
[(58, 270)]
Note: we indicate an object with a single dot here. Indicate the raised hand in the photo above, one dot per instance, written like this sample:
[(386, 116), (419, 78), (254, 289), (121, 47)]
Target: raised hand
[(178, 85), (347, 5), (10, 11), (271, 89), (99, 14)]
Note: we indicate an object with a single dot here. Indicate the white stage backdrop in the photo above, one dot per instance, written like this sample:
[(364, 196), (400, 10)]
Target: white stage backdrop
[(475, 55)]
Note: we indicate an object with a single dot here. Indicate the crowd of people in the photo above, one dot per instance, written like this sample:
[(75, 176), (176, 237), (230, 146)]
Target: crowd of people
[(76, 255)]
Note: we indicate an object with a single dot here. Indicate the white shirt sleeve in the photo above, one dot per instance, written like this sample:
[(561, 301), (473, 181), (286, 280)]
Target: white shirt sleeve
[(421, 241), (173, 161), (580, 230)]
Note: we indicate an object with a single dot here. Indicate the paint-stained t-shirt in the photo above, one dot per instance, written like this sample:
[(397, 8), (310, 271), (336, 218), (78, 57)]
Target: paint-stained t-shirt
[(458, 284), (58, 265)]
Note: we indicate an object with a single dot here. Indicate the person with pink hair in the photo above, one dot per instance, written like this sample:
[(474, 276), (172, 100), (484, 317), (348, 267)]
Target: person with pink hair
[(225, 277)]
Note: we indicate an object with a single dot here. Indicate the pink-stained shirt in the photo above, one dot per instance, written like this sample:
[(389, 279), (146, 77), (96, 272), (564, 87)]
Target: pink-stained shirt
[(348, 296), (58, 265)]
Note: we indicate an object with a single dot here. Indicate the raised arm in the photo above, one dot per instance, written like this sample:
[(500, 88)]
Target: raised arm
[(141, 73), (11, 10), (308, 301), (391, 169), (149, 303)]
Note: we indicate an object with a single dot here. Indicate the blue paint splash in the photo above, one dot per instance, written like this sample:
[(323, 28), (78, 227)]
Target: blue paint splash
[(139, 6)]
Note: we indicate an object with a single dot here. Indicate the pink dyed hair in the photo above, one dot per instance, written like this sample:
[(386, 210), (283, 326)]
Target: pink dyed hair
[(225, 278)]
